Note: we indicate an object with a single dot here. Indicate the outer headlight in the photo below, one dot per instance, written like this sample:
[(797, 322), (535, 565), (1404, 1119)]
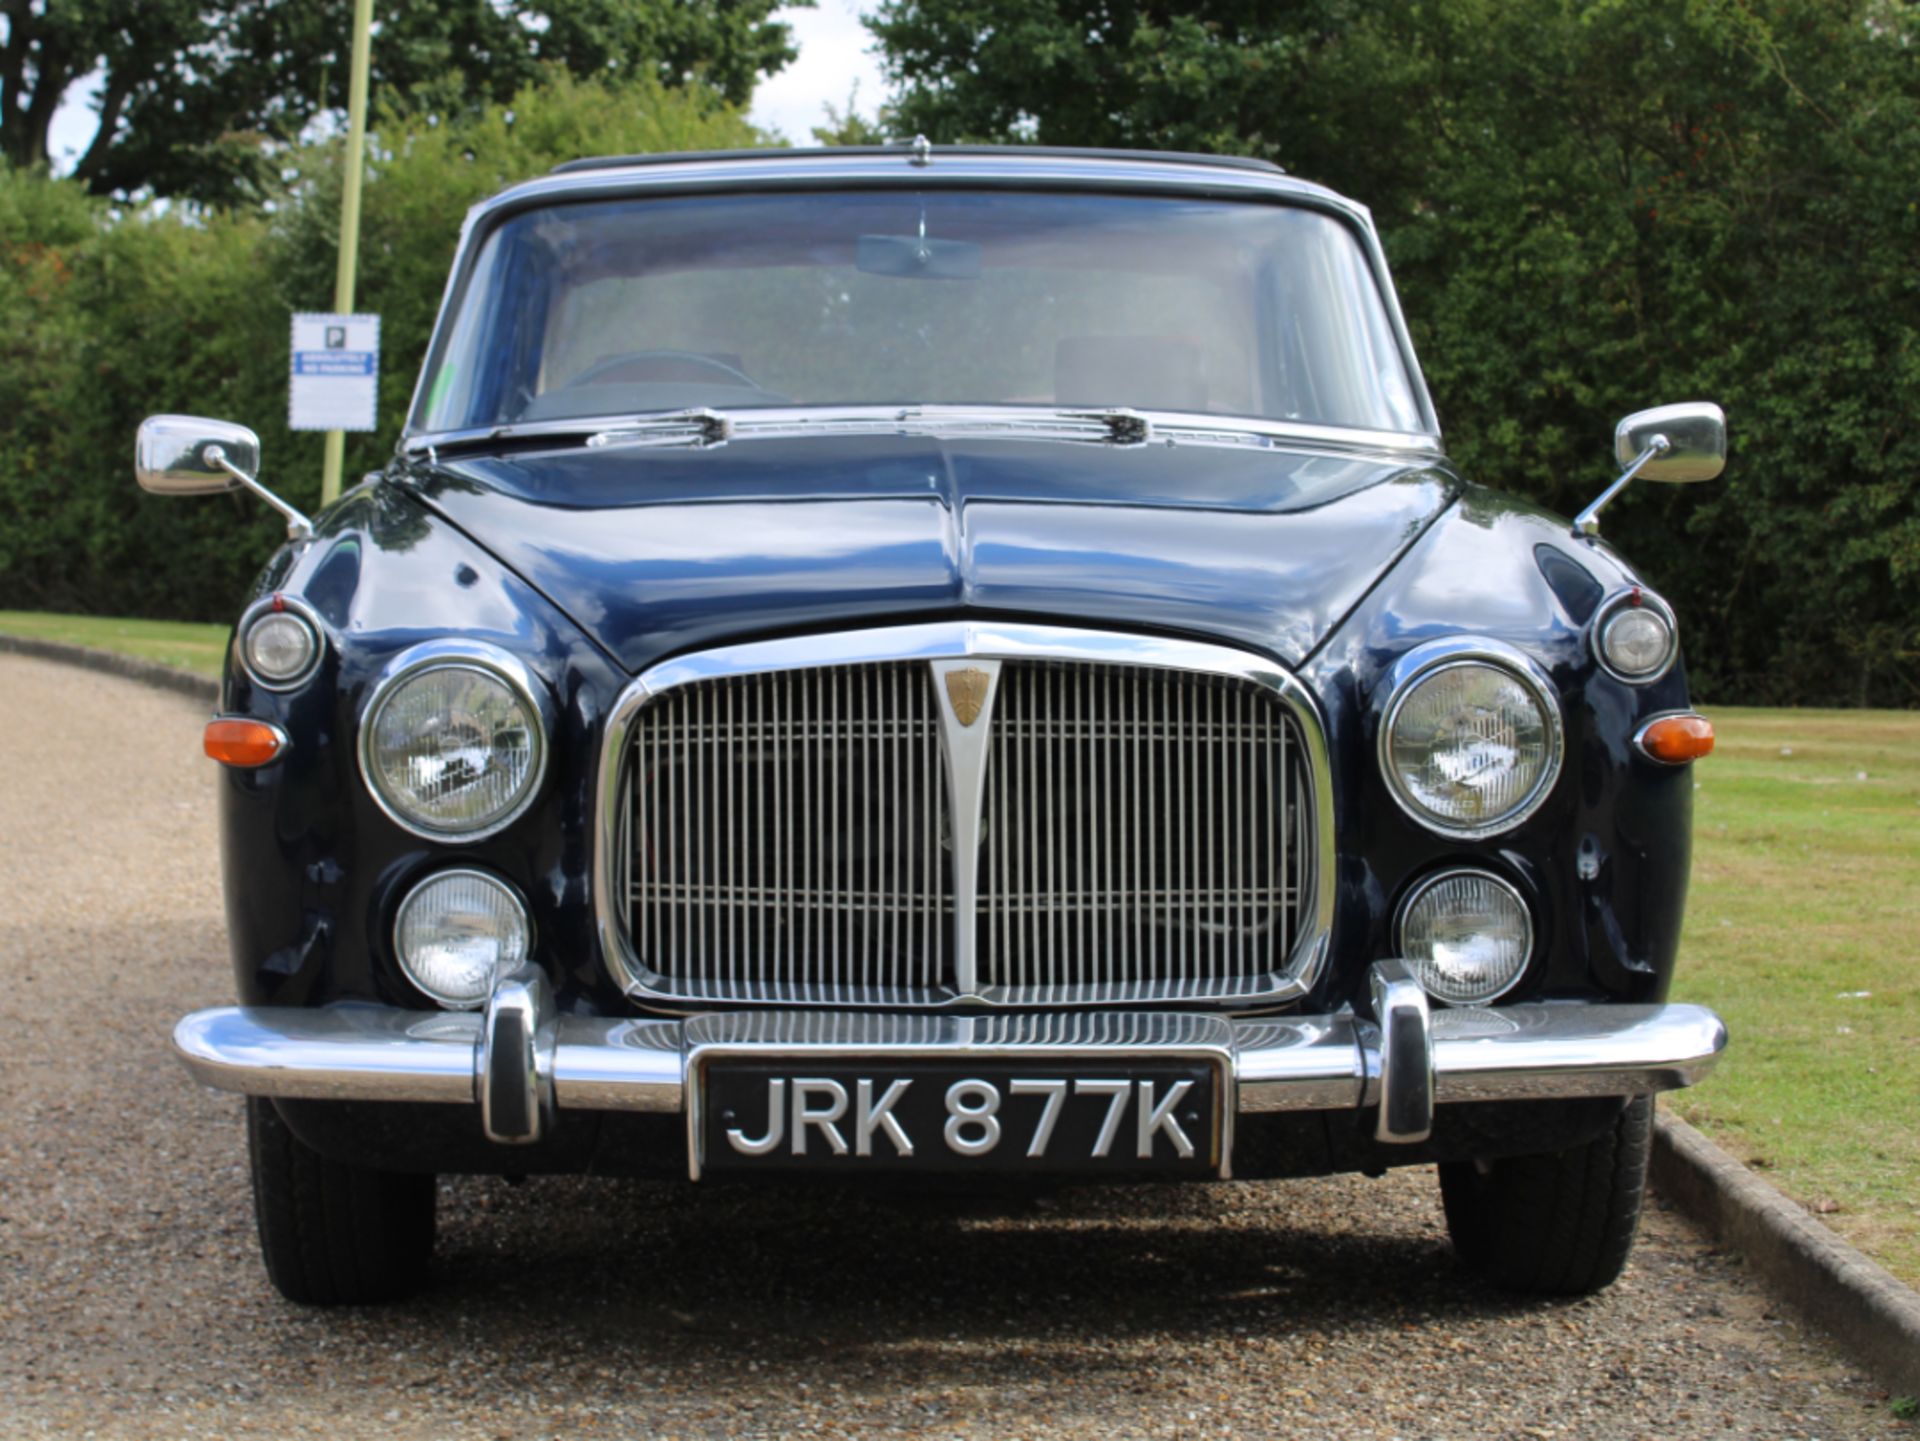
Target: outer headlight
[(1467, 935), (279, 643), (457, 931), (453, 746), (1470, 744)]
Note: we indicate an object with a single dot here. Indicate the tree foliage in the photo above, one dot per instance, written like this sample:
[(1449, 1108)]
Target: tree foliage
[(105, 318), (1590, 207), (196, 98)]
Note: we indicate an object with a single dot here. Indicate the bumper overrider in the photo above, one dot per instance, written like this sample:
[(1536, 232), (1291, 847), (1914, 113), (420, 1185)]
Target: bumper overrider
[(522, 1063)]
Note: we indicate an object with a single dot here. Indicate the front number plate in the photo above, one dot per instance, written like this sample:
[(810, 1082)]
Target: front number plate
[(1042, 1117)]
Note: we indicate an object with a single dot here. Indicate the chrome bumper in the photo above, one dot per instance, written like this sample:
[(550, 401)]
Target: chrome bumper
[(522, 1063)]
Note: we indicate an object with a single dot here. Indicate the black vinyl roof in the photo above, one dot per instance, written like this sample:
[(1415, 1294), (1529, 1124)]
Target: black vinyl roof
[(906, 148)]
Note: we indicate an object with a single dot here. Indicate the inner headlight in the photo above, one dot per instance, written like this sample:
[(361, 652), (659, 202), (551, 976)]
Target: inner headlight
[(456, 932), (1467, 935), (452, 749), (1471, 746)]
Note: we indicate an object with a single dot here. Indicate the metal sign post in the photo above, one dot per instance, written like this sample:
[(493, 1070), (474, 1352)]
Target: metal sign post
[(349, 217)]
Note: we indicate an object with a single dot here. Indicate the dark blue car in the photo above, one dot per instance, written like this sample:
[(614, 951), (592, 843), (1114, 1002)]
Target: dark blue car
[(954, 661)]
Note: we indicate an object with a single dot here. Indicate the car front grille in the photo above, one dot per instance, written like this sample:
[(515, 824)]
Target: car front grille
[(791, 837), (1141, 836), (1142, 832)]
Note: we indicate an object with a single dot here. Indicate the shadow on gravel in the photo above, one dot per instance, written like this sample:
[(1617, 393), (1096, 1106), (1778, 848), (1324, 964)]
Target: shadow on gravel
[(751, 1279)]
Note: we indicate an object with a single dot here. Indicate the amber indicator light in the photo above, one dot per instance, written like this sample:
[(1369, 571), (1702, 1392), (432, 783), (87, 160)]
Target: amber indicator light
[(1677, 739), (244, 743)]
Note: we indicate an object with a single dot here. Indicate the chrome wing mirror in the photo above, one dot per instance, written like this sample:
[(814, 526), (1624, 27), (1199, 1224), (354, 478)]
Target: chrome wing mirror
[(1680, 443), (185, 455)]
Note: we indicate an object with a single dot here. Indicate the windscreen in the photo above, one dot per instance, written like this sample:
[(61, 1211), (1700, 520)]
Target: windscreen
[(812, 298)]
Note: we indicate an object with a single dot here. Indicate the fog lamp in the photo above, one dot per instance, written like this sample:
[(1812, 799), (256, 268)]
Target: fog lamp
[(1467, 935), (456, 931)]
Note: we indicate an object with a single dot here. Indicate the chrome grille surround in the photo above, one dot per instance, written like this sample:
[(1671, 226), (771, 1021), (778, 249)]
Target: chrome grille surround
[(991, 914)]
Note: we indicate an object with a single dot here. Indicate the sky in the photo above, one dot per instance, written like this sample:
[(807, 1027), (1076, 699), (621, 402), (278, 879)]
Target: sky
[(833, 59)]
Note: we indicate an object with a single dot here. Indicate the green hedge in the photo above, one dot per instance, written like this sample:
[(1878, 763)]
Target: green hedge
[(106, 317)]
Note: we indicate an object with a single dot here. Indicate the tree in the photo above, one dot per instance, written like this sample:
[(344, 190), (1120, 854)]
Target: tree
[(1589, 207), (194, 98)]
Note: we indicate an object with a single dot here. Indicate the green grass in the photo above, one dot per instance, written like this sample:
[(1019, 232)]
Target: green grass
[(190, 646), (1806, 892), (1803, 931)]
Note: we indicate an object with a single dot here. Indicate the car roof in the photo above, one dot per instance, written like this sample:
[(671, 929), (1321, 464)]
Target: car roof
[(901, 148), (916, 164)]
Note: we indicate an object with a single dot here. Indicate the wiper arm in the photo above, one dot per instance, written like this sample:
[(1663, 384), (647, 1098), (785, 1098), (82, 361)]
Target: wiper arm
[(698, 426), (1124, 427)]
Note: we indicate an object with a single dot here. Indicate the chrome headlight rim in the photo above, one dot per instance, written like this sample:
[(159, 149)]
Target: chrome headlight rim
[(278, 604), (418, 888), (1609, 611), (456, 655), (1434, 879), (1424, 661)]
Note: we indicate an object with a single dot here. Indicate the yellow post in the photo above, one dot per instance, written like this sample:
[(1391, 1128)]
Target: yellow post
[(349, 217)]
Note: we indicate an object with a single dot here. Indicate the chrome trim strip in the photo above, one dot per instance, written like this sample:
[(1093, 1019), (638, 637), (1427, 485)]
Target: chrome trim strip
[(457, 654), (1434, 655), (1426, 883), (1606, 611), (944, 422), (1406, 1054), (1295, 1063), (947, 641)]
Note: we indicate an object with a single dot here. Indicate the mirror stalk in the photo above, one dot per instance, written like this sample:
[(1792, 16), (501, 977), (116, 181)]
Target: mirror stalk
[(1588, 521), (298, 526)]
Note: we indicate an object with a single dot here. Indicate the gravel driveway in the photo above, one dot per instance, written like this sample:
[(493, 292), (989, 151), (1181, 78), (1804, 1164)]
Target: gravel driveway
[(132, 1301)]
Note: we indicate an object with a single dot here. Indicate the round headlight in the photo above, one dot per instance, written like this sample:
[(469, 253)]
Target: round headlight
[(279, 647), (1467, 935), (452, 749), (456, 932), (1471, 747), (1636, 638)]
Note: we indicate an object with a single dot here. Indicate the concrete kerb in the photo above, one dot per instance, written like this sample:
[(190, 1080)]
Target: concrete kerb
[(1874, 1317), (147, 672), (1860, 1304)]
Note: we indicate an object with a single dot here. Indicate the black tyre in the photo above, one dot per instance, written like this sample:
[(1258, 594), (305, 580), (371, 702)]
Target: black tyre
[(1559, 1224), (334, 1234)]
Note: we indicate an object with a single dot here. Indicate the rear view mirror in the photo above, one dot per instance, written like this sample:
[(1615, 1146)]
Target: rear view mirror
[(181, 455), (1685, 442), (1696, 436), (186, 455), (915, 257)]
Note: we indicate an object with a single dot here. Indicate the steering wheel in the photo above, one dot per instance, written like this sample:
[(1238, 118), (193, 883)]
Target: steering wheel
[(640, 366)]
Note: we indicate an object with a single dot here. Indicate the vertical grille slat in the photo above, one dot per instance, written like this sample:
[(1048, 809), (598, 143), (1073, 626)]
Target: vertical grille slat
[(785, 839)]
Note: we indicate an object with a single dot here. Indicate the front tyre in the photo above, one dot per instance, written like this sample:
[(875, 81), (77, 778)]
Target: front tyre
[(1557, 1224), (332, 1234)]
